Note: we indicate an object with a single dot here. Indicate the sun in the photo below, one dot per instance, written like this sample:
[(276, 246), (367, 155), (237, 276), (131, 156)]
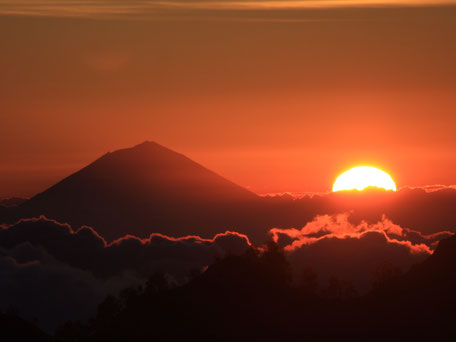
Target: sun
[(361, 177)]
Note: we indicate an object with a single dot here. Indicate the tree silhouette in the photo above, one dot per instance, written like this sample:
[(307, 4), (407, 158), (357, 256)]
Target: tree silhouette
[(276, 262), (156, 283), (249, 298), (309, 281), (108, 310), (384, 272), (340, 290)]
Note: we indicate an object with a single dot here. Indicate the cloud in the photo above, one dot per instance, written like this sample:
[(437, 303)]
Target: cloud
[(142, 8), (428, 210), (85, 249), (333, 246), (50, 292), (56, 273)]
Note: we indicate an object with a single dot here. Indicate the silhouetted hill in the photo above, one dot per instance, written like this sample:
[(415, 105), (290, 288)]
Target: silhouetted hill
[(140, 190), (14, 328), (436, 275), (422, 302), (240, 298)]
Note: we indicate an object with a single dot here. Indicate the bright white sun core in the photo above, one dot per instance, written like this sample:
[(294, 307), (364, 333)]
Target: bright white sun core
[(361, 177)]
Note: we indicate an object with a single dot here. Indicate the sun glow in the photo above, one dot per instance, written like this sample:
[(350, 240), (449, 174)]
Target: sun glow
[(361, 177)]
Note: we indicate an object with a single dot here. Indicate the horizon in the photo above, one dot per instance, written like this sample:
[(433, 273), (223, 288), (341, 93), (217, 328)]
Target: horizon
[(296, 194), (427, 188)]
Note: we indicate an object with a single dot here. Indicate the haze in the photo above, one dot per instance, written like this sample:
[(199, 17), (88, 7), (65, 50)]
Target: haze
[(275, 100)]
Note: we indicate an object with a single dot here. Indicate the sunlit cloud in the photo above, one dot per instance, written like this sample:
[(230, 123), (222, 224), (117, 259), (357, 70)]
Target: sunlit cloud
[(339, 227), (146, 8), (333, 246)]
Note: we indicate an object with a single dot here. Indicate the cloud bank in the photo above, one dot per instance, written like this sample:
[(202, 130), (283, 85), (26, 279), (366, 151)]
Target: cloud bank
[(333, 246), (56, 274), (50, 292)]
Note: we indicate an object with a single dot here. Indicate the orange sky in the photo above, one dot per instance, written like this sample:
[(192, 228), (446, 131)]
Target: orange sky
[(276, 100)]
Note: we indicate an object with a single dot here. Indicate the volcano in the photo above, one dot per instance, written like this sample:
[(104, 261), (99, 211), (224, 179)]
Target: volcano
[(144, 189)]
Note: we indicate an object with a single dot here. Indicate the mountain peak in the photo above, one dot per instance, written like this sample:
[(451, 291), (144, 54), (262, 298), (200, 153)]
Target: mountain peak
[(148, 145), (144, 147), (144, 189)]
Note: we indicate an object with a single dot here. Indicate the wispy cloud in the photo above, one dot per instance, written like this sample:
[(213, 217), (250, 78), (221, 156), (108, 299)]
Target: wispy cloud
[(148, 8)]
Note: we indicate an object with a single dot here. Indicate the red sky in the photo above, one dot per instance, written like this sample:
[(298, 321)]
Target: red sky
[(275, 100)]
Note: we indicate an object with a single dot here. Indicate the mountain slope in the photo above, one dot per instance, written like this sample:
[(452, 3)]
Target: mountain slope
[(22, 330), (144, 189), (421, 302)]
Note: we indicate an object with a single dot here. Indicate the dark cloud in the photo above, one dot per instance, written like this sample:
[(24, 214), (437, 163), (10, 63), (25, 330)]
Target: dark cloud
[(333, 246), (87, 250), (50, 292), (56, 273), (427, 210)]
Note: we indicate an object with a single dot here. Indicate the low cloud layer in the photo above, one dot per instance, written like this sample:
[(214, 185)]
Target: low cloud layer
[(50, 292), (333, 246), (57, 274), (423, 210)]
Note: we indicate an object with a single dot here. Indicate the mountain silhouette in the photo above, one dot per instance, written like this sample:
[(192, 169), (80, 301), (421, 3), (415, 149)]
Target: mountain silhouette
[(429, 282), (144, 189), (421, 302), (151, 189)]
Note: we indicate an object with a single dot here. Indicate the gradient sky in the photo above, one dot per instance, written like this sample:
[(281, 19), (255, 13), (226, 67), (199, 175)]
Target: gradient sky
[(275, 99)]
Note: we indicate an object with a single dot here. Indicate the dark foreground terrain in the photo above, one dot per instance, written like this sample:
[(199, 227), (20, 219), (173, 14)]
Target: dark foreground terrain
[(250, 297)]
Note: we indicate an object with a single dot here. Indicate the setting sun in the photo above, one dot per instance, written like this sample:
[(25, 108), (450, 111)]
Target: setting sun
[(362, 177)]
